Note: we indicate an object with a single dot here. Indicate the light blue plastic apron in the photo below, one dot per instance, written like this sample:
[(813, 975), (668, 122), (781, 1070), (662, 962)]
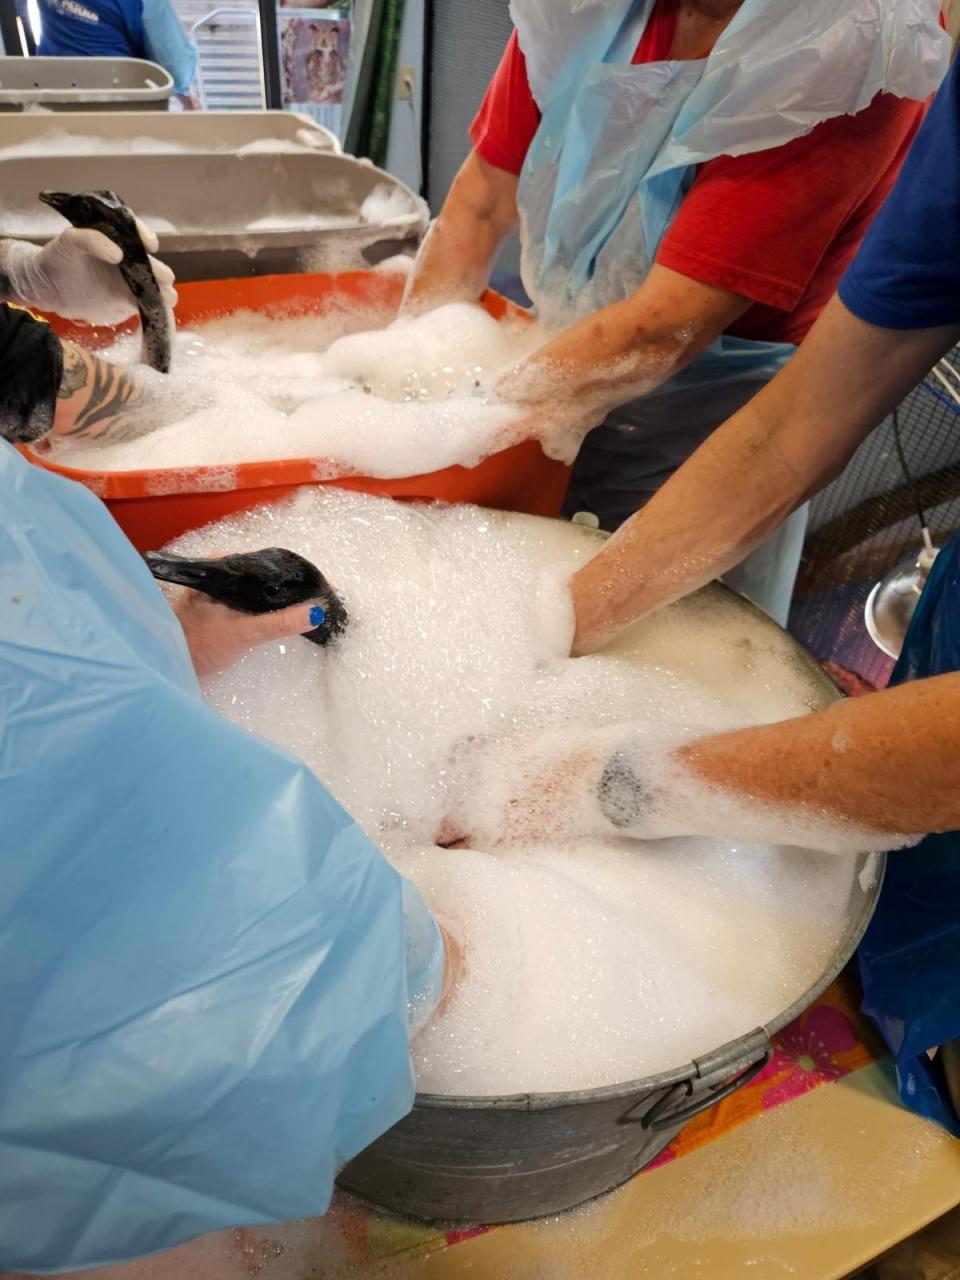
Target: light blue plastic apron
[(613, 158), (208, 974)]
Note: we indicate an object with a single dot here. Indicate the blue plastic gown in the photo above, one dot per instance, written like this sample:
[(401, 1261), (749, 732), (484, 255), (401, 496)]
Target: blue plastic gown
[(910, 957), (204, 964)]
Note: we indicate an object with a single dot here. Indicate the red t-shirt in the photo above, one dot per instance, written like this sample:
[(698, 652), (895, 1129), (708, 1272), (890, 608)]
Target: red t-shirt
[(778, 226)]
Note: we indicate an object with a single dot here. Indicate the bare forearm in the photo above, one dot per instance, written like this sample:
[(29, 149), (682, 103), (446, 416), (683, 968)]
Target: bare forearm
[(791, 440), (457, 255), (740, 485), (626, 349), (887, 762), (453, 264)]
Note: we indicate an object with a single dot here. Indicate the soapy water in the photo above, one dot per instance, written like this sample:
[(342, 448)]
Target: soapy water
[(294, 221), (389, 206), (350, 389), (44, 225), (59, 142), (585, 964), (385, 209)]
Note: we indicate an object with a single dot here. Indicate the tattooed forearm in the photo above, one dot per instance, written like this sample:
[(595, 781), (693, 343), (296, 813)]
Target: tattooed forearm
[(75, 371), (103, 401)]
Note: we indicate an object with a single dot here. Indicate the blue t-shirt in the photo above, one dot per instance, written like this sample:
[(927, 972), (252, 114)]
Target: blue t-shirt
[(907, 276), (119, 29), (91, 29), (907, 272)]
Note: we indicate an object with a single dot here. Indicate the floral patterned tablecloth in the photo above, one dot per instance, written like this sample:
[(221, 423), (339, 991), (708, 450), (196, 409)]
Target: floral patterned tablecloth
[(823, 1045)]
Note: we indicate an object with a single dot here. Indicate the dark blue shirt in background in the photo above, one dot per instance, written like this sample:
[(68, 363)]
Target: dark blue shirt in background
[(907, 272), (92, 29), (907, 276), (119, 29)]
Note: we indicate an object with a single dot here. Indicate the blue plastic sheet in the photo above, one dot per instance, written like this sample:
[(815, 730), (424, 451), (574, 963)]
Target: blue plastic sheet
[(910, 956), (203, 960)]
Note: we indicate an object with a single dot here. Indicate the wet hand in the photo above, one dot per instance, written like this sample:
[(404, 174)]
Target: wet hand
[(545, 408), (453, 968), (515, 791), (592, 626), (218, 636)]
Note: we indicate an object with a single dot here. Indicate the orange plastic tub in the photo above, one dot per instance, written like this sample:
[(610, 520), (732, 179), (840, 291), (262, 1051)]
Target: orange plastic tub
[(154, 506)]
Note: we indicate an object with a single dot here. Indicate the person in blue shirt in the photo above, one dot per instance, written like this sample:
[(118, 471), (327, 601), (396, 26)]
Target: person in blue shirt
[(119, 29), (889, 762)]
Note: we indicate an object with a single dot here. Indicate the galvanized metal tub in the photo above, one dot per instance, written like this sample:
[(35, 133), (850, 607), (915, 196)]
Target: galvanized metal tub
[(506, 1159), (83, 84), (203, 207)]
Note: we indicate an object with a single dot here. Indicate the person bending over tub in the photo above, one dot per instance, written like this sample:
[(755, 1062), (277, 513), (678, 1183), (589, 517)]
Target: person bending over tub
[(209, 977)]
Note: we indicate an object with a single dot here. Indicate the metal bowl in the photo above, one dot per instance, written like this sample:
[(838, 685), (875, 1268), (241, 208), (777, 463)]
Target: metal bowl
[(506, 1159)]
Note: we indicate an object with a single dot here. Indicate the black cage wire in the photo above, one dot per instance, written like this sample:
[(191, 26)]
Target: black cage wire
[(867, 521)]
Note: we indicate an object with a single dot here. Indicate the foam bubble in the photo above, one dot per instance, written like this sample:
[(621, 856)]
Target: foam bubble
[(386, 206), (400, 400), (585, 963)]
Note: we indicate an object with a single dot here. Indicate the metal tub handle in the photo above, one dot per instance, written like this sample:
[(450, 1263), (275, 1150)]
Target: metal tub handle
[(745, 1057)]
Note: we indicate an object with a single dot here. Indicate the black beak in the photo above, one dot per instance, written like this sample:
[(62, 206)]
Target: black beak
[(55, 199), (202, 575), (217, 579)]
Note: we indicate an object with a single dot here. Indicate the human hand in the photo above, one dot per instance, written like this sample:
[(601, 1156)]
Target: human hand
[(453, 968), (516, 790), (549, 408), (218, 636), (524, 790), (75, 275), (592, 624)]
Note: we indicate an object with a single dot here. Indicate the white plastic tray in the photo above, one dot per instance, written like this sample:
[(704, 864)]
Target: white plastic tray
[(82, 84)]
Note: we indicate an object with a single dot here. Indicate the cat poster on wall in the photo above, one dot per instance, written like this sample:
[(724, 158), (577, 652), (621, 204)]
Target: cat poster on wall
[(313, 57)]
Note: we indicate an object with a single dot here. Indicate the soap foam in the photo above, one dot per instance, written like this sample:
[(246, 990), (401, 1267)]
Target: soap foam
[(584, 964), (339, 388), (753, 1198), (297, 221), (60, 142), (56, 142), (386, 206)]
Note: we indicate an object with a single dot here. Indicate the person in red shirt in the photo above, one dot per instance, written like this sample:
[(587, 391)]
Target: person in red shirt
[(751, 253)]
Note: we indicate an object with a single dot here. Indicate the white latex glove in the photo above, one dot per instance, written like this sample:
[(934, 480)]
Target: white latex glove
[(75, 275)]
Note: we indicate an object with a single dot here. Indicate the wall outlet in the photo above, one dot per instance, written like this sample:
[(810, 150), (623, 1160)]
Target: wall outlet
[(405, 84)]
